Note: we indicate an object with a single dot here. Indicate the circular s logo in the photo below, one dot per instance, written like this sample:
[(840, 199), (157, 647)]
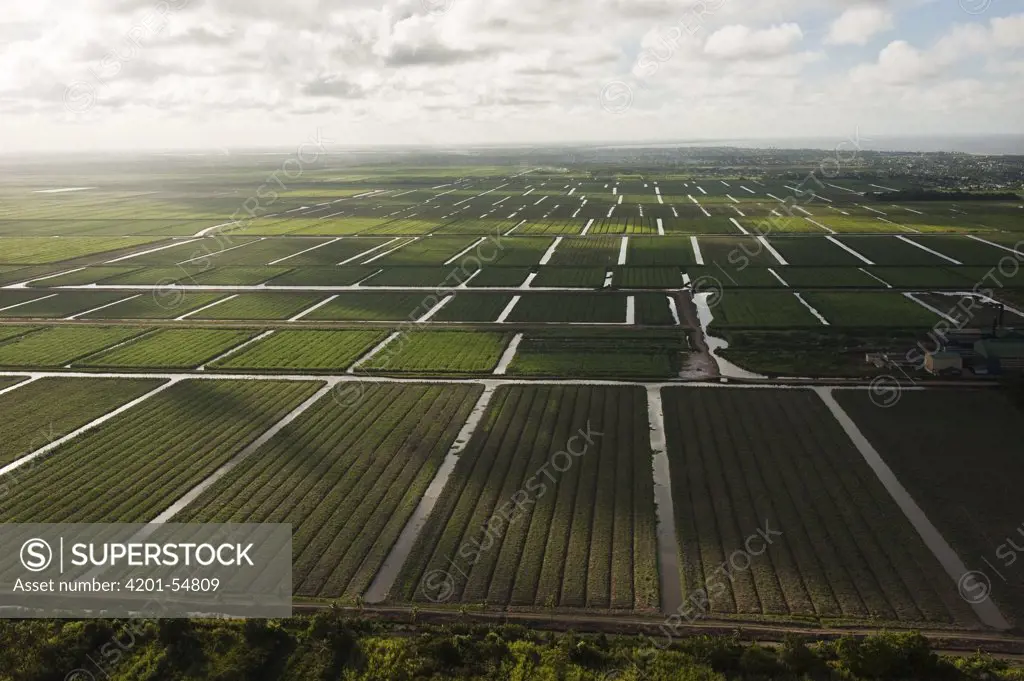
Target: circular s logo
[(617, 97), (974, 586), (438, 586), (36, 555), (885, 391)]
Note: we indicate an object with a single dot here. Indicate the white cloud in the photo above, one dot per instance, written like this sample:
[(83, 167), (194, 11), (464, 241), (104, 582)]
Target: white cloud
[(899, 62), (857, 25), (742, 42), (443, 71), (902, 63)]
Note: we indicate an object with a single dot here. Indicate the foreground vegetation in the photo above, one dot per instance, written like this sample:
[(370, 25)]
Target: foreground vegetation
[(328, 646)]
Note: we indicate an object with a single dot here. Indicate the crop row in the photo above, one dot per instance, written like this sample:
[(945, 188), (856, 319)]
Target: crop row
[(974, 502), (143, 460), (746, 462), (46, 410), (581, 536), (346, 475)]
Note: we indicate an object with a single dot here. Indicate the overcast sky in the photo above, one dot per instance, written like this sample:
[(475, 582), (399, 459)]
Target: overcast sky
[(96, 74)]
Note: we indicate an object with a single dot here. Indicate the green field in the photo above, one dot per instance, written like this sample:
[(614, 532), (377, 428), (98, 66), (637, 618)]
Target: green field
[(922, 437), (169, 349), (258, 306), (577, 307), (442, 352), (761, 309), (160, 449), (57, 346), (744, 460), (870, 309), (563, 550), (587, 354), (303, 350), (405, 289), (347, 477)]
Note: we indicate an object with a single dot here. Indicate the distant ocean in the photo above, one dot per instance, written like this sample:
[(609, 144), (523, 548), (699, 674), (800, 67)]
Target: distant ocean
[(967, 144)]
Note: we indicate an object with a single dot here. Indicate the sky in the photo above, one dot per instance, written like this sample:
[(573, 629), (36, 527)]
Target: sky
[(84, 75)]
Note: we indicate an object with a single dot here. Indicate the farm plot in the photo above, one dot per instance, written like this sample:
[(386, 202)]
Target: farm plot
[(48, 409), (319, 253), (43, 250), (261, 306), (888, 250), (13, 274), (427, 251), (148, 276), (162, 303), (715, 277), (220, 251), (587, 252), (63, 304), (555, 227), (395, 227), (968, 251), (201, 254), (344, 226), (514, 251), (829, 277), (870, 309), (236, 276), (772, 223), (623, 225), (604, 308), (464, 352), (765, 309), (693, 221), (170, 349), (642, 354), (732, 252), (814, 251), (20, 298), (923, 437), (569, 277), (652, 309), (82, 277), (473, 307), (306, 350), (564, 549), (929, 277), (347, 477), (375, 307), (968, 311), (647, 277), (61, 345), (845, 552), (324, 276), (448, 277), (7, 332), (245, 252), (500, 277), (160, 449)]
